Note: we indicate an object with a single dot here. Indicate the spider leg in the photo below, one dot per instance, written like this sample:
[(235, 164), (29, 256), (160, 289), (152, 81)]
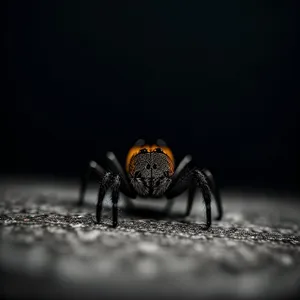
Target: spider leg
[(93, 167), (140, 142), (181, 166), (115, 167), (215, 191), (190, 179), (203, 184), (109, 181), (115, 187), (184, 162), (161, 143), (191, 197)]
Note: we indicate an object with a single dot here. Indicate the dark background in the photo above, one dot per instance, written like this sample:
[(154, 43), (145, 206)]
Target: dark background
[(216, 79)]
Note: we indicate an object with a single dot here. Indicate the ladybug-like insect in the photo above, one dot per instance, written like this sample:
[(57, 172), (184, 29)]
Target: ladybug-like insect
[(151, 172)]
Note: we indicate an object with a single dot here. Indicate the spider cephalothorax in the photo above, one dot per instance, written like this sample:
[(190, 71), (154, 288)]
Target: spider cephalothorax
[(150, 169), (150, 172)]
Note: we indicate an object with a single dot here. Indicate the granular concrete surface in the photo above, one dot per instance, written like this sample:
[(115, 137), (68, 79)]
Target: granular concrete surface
[(50, 248)]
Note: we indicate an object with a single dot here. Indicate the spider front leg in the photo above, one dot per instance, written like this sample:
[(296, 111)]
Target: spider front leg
[(114, 167), (191, 179), (113, 182)]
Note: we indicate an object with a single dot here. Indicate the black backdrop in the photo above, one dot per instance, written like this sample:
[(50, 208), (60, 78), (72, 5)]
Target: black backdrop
[(217, 79)]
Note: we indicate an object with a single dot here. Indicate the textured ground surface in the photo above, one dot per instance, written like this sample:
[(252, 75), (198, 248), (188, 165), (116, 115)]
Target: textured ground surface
[(51, 248)]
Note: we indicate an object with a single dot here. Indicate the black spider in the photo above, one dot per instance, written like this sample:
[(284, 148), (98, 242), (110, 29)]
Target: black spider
[(150, 172)]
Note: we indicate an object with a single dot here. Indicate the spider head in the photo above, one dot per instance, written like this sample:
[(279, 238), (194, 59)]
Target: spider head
[(150, 162)]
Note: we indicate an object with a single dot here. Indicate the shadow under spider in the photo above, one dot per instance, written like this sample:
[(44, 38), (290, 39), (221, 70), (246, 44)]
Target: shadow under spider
[(150, 213), (133, 211)]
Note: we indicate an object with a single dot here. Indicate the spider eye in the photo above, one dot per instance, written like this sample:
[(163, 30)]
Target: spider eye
[(144, 150), (158, 150)]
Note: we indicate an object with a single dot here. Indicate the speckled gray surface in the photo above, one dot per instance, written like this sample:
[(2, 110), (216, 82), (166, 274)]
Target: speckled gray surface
[(52, 248)]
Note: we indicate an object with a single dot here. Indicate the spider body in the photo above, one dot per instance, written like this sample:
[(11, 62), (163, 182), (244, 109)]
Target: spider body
[(151, 172)]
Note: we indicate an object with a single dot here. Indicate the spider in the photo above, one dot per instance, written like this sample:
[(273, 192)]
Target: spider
[(150, 172)]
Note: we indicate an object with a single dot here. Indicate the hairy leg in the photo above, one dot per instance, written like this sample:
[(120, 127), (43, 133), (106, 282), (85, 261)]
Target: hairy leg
[(109, 181), (182, 165), (191, 179), (115, 168), (215, 191)]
